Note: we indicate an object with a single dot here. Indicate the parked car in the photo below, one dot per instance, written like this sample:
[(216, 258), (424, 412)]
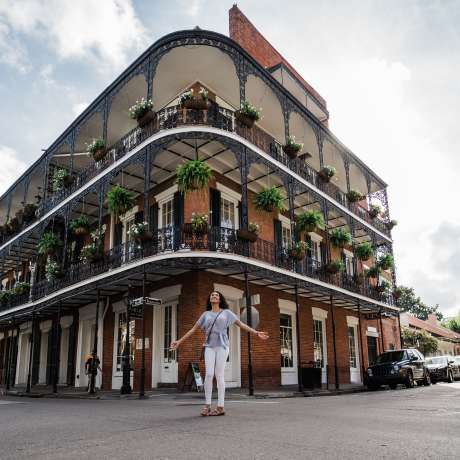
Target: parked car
[(398, 366), (444, 368)]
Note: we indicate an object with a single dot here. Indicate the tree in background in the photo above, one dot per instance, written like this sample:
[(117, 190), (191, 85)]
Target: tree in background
[(421, 340), (410, 303), (453, 324)]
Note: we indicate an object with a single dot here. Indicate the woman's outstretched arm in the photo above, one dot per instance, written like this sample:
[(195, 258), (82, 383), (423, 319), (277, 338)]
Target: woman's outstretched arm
[(260, 334), (176, 343)]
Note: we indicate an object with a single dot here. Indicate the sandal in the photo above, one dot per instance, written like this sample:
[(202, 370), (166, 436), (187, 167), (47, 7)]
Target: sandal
[(206, 410), (217, 411)]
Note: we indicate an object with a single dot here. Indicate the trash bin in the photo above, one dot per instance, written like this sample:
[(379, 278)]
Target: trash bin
[(311, 377)]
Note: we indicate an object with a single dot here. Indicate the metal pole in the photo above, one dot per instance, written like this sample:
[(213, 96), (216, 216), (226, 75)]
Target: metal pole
[(381, 329), (297, 327), (92, 385), (249, 317), (336, 370), (56, 350), (142, 385), (400, 332), (126, 386), (360, 341), (31, 354), (10, 356)]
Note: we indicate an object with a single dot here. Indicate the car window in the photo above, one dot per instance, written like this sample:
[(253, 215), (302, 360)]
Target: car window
[(390, 356), (420, 355), (411, 354), (436, 360)]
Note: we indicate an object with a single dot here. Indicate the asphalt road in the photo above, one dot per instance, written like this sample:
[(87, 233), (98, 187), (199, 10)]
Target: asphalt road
[(419, 423)]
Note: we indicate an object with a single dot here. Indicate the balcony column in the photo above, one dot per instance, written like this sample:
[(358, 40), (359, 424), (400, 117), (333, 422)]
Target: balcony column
[(249, 322), (66, 232), (147, 172), (126, 359), (346, 164), (33, 339), (150, 78), (360, 335), (327, 251), (72, 149), (33, 274), (18, 261), (10, 357), (56, 348), (381, 329), (45, 177), (8, 210), (244, 172), (26, 191), (286, 115), (242, 78), (297, 327), (336, 369), (92, 382), (319, 140)]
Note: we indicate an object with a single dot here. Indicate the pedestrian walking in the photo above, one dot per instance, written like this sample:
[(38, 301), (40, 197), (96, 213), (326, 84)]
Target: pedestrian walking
[(215, 321), (92, 365)]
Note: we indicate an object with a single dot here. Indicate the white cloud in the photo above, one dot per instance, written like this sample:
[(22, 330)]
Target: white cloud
[(191, 7), (12, 52), (105, 31), (12, 167), (78, 108)]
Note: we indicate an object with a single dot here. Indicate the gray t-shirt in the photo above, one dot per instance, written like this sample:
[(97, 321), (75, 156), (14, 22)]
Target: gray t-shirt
[(218, 336)]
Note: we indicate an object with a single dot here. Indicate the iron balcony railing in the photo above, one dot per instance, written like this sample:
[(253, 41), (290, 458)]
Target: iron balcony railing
[(217, 117), (217, 240)]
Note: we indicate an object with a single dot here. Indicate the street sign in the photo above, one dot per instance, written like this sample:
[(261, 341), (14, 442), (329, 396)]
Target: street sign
[(136, 311), (147, 301), (254, 316)]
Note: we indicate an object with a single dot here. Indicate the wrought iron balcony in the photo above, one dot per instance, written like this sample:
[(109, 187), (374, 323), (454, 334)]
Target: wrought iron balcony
[(217, 240)]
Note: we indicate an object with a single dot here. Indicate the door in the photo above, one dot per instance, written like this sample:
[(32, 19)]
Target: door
[(87, 341), (319, 347), (166, 224), (168, 366), (371, 349), (288, 349), (43, 358), (64, 356), (353, 354), (23, 361), (232, 365), (119, 348)]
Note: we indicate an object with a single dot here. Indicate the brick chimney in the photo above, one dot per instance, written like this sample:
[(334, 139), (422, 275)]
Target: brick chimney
[(248, 37)]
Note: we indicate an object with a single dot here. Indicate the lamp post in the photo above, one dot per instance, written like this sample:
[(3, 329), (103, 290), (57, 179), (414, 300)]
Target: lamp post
[(126, 361)]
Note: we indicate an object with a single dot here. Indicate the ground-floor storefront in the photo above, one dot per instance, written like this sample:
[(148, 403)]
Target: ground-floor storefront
[(53, 349)]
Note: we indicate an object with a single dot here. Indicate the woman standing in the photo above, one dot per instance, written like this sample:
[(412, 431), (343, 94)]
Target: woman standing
[(215, 321)]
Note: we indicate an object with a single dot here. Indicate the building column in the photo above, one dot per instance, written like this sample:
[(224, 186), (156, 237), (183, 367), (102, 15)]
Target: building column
[(336, 370), (249, 320), (361, 342), (381, 329), (92, 383), (298, 329), (31, 352), (56, 349)]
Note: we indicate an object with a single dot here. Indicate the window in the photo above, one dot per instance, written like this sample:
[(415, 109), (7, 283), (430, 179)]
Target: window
[(348, 263), (286, 346), (286, 239), (316, 251), (227, 213), (167, 217), (121, 340), (318, 344), (352, 347)]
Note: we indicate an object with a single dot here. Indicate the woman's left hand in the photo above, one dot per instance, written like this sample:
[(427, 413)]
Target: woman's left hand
[(262, 335)]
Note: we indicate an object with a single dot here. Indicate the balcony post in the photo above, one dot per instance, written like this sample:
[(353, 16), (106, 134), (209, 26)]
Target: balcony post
[(150, 78), (147, 172), (72, 149), (66, 231), (326, 228), (242, 78), (244, 172), (94, 365), (346, 164), (360, 341), (381, 329), (45, 178), (8, 210), (33, 274), (10, 357), (319, 140), (126, 386), (144, 294), (249, 321), (56, 348), (297, 327), (31, 352), (18, 261), (26, 191), (336, 369)]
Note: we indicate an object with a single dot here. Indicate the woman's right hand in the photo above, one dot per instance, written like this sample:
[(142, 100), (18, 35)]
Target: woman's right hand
[(174, 345)]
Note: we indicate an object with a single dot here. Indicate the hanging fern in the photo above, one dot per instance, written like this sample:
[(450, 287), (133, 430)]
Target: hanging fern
[(119, 200), (193, 175), (340, 238)]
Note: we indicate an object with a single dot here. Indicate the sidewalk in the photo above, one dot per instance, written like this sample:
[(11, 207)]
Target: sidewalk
[(231, 393)]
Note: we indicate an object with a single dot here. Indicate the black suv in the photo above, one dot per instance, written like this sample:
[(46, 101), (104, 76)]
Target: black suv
[(398, 366), (443, 368)]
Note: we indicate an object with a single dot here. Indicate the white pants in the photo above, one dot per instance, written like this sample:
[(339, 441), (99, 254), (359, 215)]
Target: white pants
[(215, 359)]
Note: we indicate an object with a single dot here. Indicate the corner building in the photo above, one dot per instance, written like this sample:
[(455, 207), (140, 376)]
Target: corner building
[(337, 322)]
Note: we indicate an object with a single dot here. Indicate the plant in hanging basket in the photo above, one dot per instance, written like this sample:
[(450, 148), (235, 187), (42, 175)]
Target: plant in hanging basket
[(193, 175), (364, 251), (61, 179), (269, 200), (190, 100), (309, 221), (80, 226), (12, 226), (5, 297), (392, 224), (21, 288), (97, 149), (199, 223), (29, 212), (298, 250), (326, 173), (382, 287), (247, 114), (53, 271), (291, 148), (397, 293), (354, 196), (48, 244), (340, 238), (374, 211), (334, 266), (373, 272), (140, 232), (91, 253), (385, 262), (142, 112), (249, 234), (119, 200)]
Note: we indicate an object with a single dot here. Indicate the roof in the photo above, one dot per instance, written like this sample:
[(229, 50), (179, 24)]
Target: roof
[(433, 329)]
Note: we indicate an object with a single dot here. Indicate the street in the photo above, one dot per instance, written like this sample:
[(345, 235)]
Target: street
[(420, 423)]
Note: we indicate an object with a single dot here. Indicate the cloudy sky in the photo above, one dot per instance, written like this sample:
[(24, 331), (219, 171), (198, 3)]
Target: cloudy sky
[(389, 70)]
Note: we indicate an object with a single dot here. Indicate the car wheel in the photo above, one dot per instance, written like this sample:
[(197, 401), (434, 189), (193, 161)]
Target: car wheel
[(373, 387), (409, 380), (450, 377), (427, 379), (434, 382), (393, 386)]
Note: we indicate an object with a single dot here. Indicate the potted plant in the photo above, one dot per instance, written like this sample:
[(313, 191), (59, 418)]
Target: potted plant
[(190, 100), (119, 200), (61, 179), (80, 226), (97, 149), (364, 251), (250, 234), (269, 199), (21, 288), (340, 238), (53, 271), (29, 212), (374, 211), (334, 266), (291, 148), (327, 173), (392, 224), (397, 293), (199, 223), (140, 232), (385, 262), (382, 286), (247, 115), (142, 112), (373, 272), (298, 250), (5, 297), (91, 253), (309, 221), (193, 175), (354, 196), (48, 244), (12, 226)]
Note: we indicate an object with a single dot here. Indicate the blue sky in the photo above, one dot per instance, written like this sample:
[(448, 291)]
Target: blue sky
[(389, 71)]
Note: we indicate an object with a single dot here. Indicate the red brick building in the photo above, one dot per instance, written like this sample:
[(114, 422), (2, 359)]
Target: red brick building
[(71, 262)]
